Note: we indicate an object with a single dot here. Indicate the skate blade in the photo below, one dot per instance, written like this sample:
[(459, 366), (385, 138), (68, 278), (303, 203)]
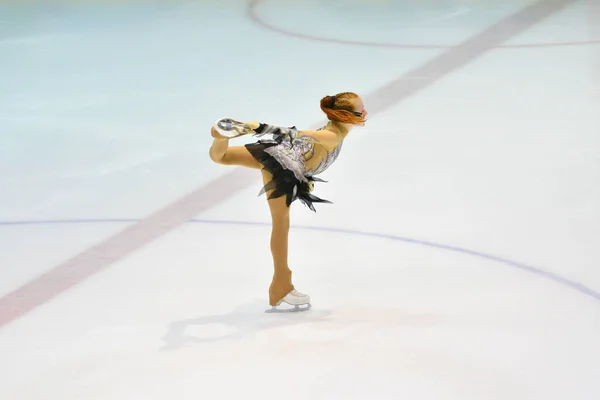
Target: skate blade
[(299, 308), (230, 128)]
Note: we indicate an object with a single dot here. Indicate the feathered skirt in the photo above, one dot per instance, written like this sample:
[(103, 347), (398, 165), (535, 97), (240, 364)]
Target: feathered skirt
[(284, 182)]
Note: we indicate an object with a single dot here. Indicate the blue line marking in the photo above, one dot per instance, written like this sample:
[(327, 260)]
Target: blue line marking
[(511, 263)]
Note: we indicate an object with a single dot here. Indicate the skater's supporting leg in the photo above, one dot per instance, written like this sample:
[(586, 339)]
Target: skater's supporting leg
[(280, 217), (221, 153)]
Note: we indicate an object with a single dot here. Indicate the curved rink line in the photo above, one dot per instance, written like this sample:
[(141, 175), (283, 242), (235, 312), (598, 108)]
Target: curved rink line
[(507, 262), (254, 16)]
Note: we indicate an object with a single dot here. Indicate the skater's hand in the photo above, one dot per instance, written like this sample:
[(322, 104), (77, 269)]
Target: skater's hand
[(253, 124)]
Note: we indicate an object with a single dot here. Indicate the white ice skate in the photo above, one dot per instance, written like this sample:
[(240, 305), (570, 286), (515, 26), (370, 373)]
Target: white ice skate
[(293, 298), (231, 128)]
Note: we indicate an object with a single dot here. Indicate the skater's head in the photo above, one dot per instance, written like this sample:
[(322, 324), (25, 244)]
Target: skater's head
[(346, 107)]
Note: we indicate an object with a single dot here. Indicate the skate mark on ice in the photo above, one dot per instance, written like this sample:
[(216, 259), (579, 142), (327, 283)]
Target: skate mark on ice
[(255, 16), (244, 321), (318, 326)]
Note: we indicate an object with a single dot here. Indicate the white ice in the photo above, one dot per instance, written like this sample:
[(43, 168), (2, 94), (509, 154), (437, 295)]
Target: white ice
[(105, 112)]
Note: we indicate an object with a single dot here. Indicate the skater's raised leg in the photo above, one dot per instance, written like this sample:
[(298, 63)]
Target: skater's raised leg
[(221, 153)]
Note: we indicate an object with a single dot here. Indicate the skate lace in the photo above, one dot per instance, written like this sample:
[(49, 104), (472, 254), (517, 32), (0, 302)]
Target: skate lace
[(297, 293)]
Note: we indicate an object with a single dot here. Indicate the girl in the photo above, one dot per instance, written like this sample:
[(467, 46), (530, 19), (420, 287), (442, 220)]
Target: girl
[(288, 162)]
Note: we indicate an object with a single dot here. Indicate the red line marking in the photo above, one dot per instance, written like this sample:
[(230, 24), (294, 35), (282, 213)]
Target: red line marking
[(82, 266)]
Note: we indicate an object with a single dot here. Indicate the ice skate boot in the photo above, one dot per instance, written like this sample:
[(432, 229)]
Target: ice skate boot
[(230, 128), (300, 301)]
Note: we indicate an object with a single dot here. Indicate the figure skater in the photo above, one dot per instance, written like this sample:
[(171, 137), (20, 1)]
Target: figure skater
[(288, 163)]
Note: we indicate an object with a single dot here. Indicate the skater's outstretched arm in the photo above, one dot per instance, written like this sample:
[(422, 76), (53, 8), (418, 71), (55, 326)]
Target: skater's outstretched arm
[(266, 129), (324, 137)]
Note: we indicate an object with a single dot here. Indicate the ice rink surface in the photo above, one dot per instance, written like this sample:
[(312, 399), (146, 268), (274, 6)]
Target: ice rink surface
[(460, 259)]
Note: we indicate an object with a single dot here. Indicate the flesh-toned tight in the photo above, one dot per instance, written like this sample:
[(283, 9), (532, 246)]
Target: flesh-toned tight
[(281, 284)]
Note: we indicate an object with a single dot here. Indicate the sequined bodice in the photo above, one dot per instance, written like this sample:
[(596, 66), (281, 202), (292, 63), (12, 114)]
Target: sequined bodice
[(325, 163), (293, 155)]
